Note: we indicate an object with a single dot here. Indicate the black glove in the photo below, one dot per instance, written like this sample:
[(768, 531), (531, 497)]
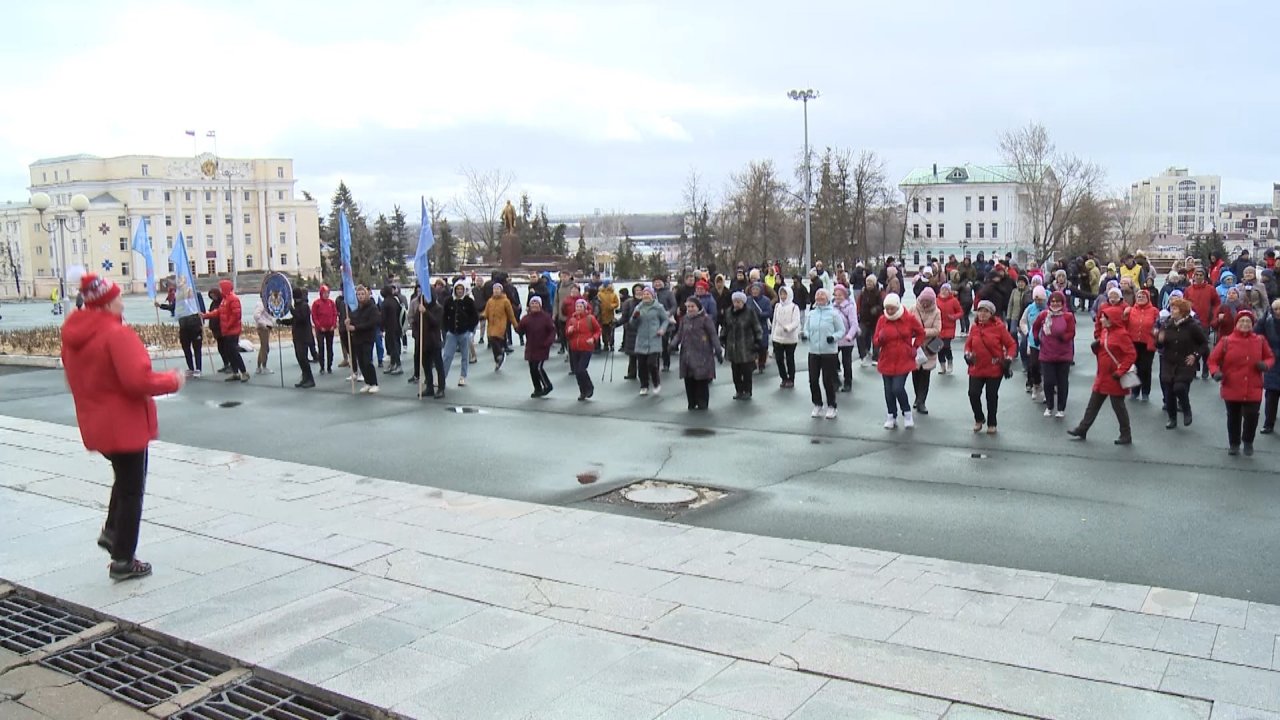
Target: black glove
[(968, 358), (720, 358), (1115, 376), (1007, 366), (804, 337), (1217, 376), (831, 340), (1095, 345), (1262, 367)]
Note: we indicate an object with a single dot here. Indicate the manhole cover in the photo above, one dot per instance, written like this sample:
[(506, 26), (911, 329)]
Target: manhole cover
[(27, 625), (466, 410), (132, 670), (258, 699), (664, 496), (661, 495)]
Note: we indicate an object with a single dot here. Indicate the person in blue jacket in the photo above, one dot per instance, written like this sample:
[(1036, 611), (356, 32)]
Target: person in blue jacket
[(823, 327)]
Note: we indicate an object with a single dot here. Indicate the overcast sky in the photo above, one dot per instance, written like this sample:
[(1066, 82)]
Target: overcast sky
[(609, 106)]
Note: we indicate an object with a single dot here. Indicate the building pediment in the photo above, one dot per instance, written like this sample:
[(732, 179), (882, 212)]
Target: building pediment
[(208, 166), (957, 174)]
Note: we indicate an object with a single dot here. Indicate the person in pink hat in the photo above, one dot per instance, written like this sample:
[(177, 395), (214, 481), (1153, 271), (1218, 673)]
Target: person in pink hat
[(112, 384)]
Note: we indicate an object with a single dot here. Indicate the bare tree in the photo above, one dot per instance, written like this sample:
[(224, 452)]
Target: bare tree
[(869, 187), (757, 217), (11, 263), (1053, 185), (1128, 224), (480, 205)]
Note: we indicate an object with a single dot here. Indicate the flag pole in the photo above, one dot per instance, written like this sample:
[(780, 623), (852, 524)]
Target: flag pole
[(280, 352), (422, 347), (354, 361), (164, 361)]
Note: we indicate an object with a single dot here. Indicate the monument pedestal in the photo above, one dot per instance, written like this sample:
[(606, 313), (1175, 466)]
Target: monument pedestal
[(512, 253)]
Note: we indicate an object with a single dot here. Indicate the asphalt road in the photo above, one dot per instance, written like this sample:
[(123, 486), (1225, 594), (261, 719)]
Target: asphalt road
[(1173, 510)]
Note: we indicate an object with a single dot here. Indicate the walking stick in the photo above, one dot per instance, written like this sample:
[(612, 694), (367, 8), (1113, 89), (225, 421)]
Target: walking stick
[(164, 362), (422, 347)]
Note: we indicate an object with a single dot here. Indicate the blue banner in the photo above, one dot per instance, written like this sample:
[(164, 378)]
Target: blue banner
[(184, 300), (142, 246), (344, 250), (421, 264)]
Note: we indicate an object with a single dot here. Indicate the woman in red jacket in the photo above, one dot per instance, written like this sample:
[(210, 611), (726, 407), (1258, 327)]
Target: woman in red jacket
[(898, 334), (324, 318), (1116, 355), (1140, 322), (989, 350), (582, 329), (229, 321), (109, 372), (1238, 361), (951, 312)]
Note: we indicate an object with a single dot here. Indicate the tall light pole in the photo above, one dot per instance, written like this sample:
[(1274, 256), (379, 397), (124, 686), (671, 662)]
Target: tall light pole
[(805, 96), (79, 203)]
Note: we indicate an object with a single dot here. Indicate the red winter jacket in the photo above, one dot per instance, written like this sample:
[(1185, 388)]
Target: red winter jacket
[(898, 340), (1236, 356), (990, 344), (582, 331), (111, 381), (324, 313), (1204, 301), (228, 313), (951, 312), (1113, 342), (1140, 321)]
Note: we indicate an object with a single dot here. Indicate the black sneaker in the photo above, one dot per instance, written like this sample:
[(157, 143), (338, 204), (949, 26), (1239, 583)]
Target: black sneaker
[(1248, 449), (305, 385), (129, 569), (413, 380)]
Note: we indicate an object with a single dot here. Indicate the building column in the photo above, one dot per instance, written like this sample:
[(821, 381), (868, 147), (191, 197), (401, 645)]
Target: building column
[(293, 241), (237, 229), (265, 230), (197, 226), (220, 232)]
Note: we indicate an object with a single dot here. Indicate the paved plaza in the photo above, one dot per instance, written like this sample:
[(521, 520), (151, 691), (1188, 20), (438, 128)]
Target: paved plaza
[(447, 564)]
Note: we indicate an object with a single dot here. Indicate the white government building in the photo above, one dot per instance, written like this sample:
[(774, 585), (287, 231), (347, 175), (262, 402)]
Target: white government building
[(963, 209), (1176, 202), (236, 215)]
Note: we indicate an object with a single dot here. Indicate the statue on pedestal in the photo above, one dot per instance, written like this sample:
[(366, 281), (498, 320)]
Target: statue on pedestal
[(512, 254)]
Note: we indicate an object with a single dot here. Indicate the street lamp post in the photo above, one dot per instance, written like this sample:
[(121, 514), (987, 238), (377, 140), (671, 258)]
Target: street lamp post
[(79, 203), (805, 96)]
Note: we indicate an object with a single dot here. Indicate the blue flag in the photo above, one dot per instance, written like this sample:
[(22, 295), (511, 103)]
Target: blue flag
[(344, 251), (142, 246), (184, 299), (421, 264)]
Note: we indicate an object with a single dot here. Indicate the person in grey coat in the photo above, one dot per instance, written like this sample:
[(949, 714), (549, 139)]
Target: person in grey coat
[(649, 319), (628, 332), (699, 347)]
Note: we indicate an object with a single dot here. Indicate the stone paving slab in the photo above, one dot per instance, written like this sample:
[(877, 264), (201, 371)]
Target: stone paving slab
[(440, 604)]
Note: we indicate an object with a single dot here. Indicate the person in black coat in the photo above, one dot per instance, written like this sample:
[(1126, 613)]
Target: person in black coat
[(303, 337), (429, 316), (998, 288), (1181, 342), (391, 328), (459, 324), (362, 324)]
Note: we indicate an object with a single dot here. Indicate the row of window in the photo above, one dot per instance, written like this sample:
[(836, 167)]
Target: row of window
[(968, 231), (208, 195), (146, 172), (968, 204), (208, 219)]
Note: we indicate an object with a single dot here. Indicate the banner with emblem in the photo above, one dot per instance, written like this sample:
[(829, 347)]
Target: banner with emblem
[(277, 294)]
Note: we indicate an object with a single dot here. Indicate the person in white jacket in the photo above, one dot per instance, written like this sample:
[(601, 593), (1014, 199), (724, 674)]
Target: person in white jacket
[(264, 321), (785, 335)]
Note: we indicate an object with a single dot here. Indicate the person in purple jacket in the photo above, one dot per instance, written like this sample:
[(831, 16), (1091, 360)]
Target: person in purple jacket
[(1056, 329), (849, 313)]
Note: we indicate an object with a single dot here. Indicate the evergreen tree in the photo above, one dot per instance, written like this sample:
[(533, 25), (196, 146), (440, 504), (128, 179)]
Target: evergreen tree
[(395, 251), (381, 242), (444, 248), (1204, 245), (627, 264), (703, 238), (362, 245), (657, 266), (584, 259)]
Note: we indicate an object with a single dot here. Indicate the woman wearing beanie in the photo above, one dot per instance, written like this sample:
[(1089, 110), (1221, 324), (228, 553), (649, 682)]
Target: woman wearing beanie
[(1140, 321), (1055, 332), (1031, 361), (785, 335), (648, 322), (112, 383), (1116, 354), (1270, 330), (898, 334), (989, 351), (823, 327), (538, 331), (742, 336), (926, 311), (845, 342), (949, 308), (629, 331), (1183, 344), (699, 347), (498, 314), (1239, 361), (583, 330), (869, 309)]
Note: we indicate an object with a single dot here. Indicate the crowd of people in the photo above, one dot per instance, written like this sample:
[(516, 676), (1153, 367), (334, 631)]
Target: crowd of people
[(1205, 320)]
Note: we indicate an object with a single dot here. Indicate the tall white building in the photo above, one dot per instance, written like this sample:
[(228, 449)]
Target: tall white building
[(1275, 198), (234, 214), (964, 208), (1176, 202)]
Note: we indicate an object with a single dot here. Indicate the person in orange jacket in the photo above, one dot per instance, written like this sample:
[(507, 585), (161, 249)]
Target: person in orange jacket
[(989, 351), (582, 330), (1140, 322), (229, 317), (1116, 354), (1239, 361)]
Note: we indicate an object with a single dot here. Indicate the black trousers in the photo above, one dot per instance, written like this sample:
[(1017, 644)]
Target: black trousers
[(364, 359), (964, 318), (1095, 404), (301, 351), (324, 342), (541, 383), (1035, 370), (920, 383), (864, 341), (344, 338), (1272, 401), (191, 336), (1054, 376), (784, 354), (822, 378), (124, 513), (846, 363), (742, 376), (945, 355), (1242, 422), (1177, 396), (498, 346), (607, 335), (648, 371), (698, 393), (666, 349), (431, 365), (579, 361), (229, 347), (392, 343), (1143, 365), (989, 387)]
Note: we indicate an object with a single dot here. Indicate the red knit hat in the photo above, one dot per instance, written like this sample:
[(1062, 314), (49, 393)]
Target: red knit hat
[(1246, 312), (98, 291), (701, 285)]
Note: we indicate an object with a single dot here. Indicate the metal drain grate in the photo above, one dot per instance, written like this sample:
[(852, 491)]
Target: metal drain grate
[(132, 670), (26, 625), (258, 699)]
